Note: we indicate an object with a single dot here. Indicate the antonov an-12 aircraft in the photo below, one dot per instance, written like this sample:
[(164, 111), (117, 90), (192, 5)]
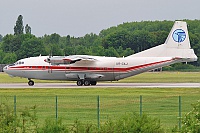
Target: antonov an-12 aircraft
[(88, 70)]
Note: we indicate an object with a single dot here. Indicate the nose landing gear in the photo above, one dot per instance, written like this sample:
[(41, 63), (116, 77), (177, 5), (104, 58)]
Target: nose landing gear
[(30, 82)]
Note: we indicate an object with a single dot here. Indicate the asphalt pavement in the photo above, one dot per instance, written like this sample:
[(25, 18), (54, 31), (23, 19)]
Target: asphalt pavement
[(102, 85)]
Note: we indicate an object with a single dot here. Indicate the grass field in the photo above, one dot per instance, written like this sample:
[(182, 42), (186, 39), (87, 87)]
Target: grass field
[(81, 103), (148, 77)]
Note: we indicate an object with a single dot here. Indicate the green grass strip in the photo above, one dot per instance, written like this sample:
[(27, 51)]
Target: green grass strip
[(81, 103)]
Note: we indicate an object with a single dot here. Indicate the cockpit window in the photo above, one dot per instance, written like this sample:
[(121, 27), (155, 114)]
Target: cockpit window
[(19, 62)]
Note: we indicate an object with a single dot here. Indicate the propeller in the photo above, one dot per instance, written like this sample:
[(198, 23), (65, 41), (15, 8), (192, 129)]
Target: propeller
[(49, 58)]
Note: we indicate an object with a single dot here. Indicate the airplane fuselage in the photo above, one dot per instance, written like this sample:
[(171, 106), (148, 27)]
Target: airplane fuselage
[(103, 69)]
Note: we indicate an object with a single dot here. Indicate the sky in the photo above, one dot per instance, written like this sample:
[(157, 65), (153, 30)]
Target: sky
[(80, 17)]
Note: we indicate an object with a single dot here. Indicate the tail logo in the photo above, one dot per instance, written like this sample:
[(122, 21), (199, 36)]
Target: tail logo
[(179, 35)]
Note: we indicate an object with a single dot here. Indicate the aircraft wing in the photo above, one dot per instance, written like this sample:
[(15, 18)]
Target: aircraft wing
[(78, 58), (57, 60)]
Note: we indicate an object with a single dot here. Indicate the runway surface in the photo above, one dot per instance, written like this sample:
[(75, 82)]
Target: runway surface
[(103, 85)]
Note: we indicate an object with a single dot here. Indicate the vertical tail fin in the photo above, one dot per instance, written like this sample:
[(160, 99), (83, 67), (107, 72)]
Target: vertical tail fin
[(178, 36), (177, 44)]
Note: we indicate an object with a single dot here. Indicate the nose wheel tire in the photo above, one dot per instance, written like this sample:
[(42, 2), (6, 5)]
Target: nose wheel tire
[(30, 83)]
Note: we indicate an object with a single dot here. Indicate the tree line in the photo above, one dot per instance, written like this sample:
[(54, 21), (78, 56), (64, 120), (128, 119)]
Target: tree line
[(122, 40)]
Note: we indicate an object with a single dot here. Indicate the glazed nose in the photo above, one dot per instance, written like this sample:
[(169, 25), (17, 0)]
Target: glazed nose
[(5, 68)]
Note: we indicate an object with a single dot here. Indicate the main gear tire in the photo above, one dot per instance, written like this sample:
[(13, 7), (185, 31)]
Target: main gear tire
[(79, 82), (86, 82)]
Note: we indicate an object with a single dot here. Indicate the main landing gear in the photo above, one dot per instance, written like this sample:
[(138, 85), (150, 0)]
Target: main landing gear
[(86, 82), (30, 82)]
